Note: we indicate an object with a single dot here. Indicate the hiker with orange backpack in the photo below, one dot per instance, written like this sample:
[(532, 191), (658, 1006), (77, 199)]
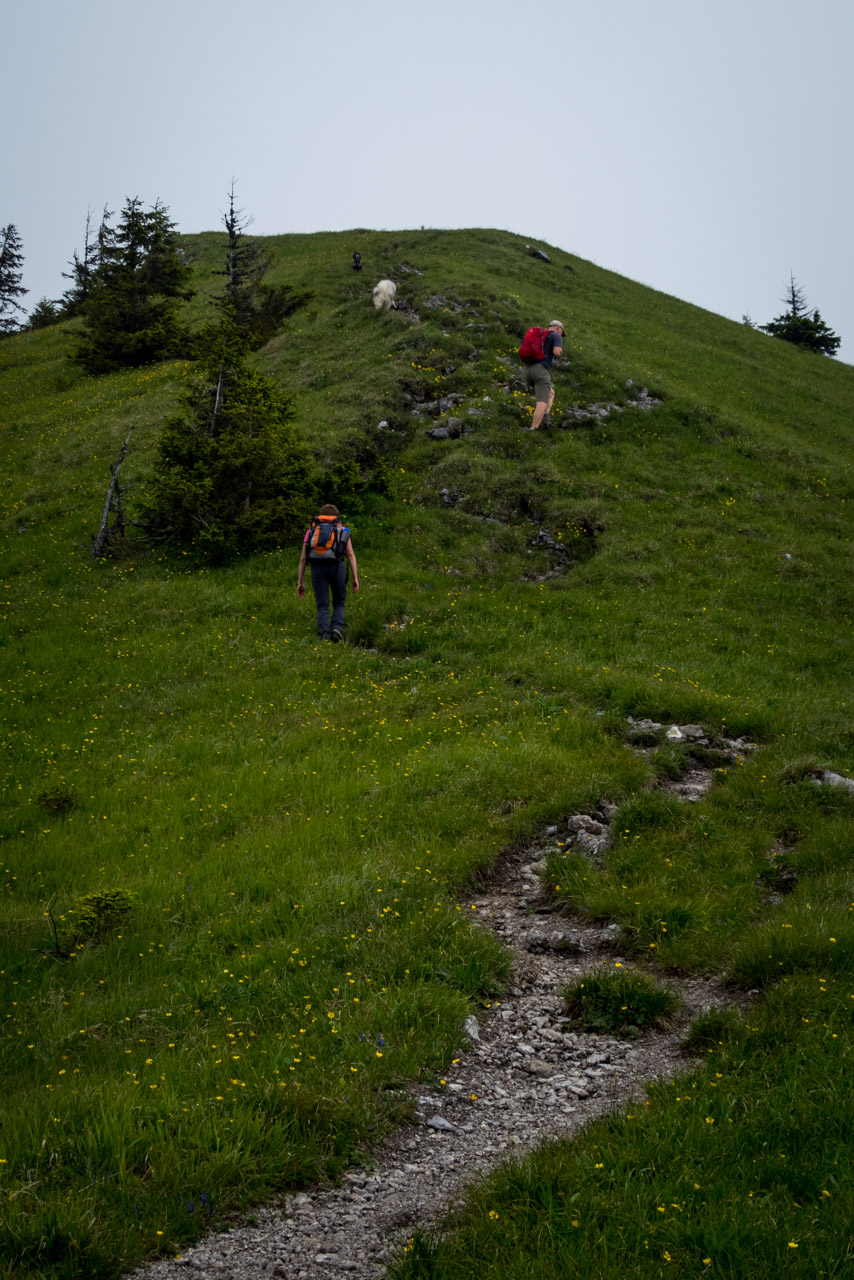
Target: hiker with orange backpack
[(539, 347), (327, 548)]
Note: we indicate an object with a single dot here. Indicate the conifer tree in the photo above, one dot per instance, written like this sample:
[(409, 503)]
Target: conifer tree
[(244, 262), (85, 269), (11, 261), (797, 326), (131, 311), (44, 313), (258, 308), (231, 474)]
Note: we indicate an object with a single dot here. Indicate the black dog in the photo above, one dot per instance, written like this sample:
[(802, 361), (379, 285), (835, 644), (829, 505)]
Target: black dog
[(357, 261)]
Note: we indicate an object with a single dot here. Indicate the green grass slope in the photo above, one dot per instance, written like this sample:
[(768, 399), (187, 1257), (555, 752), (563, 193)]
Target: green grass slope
[(297, 824)]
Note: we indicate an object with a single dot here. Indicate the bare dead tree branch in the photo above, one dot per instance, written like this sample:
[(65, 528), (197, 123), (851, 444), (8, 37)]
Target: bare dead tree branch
[(113, 502), (58, 951), (218, 399)]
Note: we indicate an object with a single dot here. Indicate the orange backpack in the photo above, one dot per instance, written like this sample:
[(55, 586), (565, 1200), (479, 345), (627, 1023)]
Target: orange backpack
[(327, 540)]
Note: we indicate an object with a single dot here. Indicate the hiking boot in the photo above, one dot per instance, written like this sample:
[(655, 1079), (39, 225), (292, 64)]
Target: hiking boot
[(547, 421), (336, 637)]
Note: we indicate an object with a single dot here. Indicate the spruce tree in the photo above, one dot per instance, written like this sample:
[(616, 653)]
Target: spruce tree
[(231, 474), (11, 261), (44, 313), (258, 308), (244, 262), (131, 312), (797, 326), (84, 269)]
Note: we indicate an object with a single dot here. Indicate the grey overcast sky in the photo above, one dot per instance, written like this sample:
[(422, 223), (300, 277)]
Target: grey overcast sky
[(701, 148)]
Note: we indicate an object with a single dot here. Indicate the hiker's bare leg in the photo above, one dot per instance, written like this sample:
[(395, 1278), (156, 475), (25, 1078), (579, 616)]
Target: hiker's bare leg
[(540, 409)]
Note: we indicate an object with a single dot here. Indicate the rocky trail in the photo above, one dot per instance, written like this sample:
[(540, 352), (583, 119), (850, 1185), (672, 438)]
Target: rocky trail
[(522, 1075)]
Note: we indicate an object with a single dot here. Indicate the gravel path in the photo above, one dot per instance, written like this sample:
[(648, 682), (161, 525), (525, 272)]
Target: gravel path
[(522, 1076)]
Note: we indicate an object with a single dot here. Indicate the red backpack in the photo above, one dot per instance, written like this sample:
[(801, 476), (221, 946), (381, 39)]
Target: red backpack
[(532, 350), (327, 539)]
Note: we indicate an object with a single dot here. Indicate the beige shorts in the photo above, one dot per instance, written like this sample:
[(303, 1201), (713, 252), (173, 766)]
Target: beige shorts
[(537, 378)]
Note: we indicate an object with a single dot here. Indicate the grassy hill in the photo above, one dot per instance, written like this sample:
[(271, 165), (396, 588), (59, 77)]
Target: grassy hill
[(297, 824)]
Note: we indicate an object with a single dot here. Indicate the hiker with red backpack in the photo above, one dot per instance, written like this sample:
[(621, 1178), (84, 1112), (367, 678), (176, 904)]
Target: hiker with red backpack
[(327, 548), (539, 347)]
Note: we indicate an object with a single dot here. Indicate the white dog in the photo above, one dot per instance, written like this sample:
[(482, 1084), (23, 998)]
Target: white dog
[(383, 295)]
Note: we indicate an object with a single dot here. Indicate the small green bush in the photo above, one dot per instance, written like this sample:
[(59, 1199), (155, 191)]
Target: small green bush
[(99, 913), (620, 1000), (57, 801)]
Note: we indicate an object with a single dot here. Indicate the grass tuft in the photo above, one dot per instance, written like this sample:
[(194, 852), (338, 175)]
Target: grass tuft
[(713, 1029), (622, 1001)]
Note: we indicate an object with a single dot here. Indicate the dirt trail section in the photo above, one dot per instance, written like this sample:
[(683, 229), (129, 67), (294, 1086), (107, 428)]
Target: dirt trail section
[(705, 753), (522, 1075)]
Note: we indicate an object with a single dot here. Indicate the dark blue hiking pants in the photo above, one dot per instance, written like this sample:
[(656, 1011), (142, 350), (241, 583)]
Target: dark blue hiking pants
[(329, 579)]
